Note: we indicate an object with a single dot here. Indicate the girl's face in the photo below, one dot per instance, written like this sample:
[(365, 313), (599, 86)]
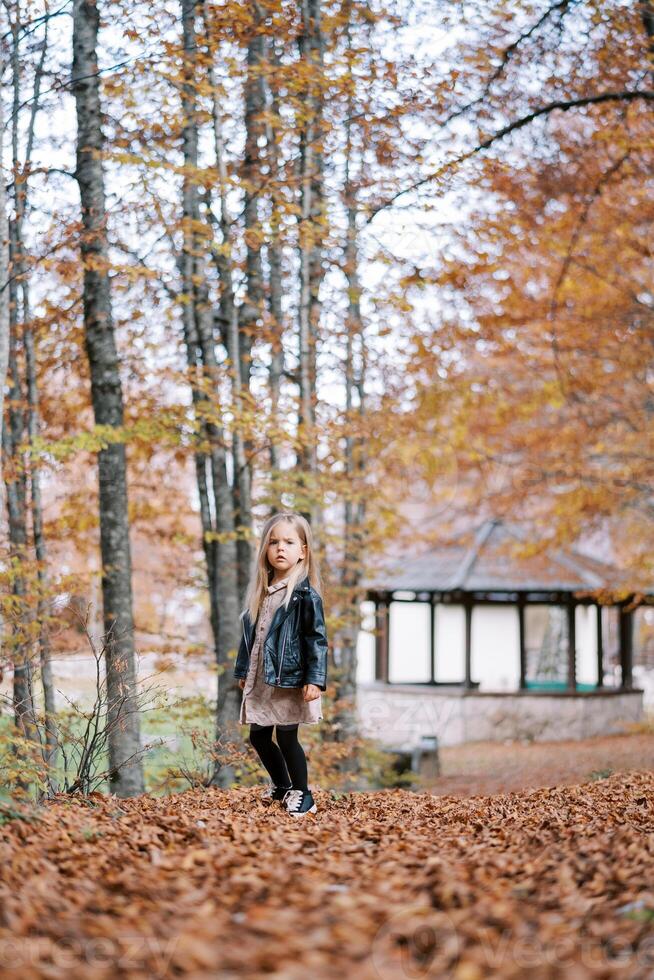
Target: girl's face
[(285, 549)]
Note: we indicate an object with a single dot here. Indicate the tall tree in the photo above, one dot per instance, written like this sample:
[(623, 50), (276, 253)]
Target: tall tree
[(346, 722), (13, 434), (216, 502), (251, 310), (126, 777), (275, 256), (311, 229), (4, 280), (13, 439), (22, 163)]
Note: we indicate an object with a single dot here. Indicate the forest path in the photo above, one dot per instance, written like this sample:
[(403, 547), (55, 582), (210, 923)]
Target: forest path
[(486, 768)]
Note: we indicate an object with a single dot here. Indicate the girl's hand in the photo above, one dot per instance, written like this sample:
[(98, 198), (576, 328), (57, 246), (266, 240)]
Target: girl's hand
[(241, 682), (310, 692)]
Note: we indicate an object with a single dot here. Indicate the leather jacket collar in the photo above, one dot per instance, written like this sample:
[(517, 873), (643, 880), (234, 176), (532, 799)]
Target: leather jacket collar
[(281, 613)]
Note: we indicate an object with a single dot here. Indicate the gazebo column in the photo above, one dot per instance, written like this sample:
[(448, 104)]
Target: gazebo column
[(626, 633), (572, 647), (432, 638), (600, 648), (522, 642), (381, 641), (467, 606)]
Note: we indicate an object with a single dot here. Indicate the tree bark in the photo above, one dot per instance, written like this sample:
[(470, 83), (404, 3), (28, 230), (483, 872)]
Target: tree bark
[(235, 330), (275, 284), (21, 275), (16, 494), (4, 285), (647, 14), (311, 234), (13, 439), (40, 550), (252, 308), (106, 392), (211, 470), (345, 713)]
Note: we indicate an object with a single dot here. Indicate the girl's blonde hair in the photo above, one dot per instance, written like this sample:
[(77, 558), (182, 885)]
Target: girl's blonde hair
[(263, 571)]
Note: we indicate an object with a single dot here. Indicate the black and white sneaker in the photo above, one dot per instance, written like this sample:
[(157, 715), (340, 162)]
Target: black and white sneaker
[(298, 802), (274, 793)]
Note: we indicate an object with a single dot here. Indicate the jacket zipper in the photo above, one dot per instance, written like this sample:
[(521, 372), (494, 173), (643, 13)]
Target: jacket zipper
[(246, 640), (281, 659)]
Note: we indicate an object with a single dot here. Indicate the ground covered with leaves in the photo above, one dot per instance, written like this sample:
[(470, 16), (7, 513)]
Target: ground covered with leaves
[(211, 883), (486, 768)]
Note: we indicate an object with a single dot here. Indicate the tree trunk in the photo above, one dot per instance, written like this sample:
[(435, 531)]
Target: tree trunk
[(13, 439), (21, 275), (252, 309), (275, 286), (345, 714), (235, 337), (219, 543), (4, 286), (106, 391), (47, 680), (647, 14), (311, 234), (16, 493)]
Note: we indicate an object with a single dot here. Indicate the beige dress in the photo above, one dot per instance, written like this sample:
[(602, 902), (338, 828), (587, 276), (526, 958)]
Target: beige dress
[(262, 703)]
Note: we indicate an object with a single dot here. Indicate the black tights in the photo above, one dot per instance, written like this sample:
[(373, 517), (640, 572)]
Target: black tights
[(285, 762)]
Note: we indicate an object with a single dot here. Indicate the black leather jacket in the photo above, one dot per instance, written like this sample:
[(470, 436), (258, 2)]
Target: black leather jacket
[(295, 647)]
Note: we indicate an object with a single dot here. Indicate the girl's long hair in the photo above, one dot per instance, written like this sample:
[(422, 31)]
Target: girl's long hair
[(263, 571)]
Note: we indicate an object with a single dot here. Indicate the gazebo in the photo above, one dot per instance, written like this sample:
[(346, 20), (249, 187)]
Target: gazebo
[(482, 641)]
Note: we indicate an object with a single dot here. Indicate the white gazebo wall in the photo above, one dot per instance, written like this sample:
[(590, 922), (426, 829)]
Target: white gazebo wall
[(366, 644), (409, 642), (449, 641), (495, 648), (586, 644)]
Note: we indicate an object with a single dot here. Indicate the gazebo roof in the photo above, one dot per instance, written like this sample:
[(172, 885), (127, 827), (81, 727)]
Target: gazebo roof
[(490, 564)]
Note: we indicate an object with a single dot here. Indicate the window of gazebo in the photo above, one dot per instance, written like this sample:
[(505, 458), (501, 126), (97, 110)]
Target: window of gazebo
[(549, 665)]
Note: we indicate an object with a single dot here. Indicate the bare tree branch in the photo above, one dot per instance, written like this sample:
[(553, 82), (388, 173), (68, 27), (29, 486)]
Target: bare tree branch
[(562, 105)]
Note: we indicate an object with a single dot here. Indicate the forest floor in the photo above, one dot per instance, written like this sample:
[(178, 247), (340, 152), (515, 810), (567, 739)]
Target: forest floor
[(494, 767), (556, 882)]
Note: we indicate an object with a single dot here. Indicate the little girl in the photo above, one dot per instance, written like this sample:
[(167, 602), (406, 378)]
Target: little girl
[(282, 658)]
